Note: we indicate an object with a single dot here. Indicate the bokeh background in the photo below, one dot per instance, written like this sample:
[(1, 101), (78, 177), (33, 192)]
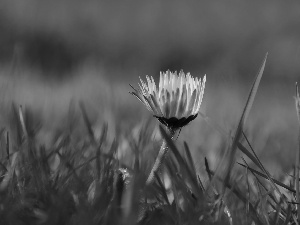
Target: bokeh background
[(54, 53)]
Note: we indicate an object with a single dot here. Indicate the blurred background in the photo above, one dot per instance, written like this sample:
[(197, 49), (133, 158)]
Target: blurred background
[(53, 53)]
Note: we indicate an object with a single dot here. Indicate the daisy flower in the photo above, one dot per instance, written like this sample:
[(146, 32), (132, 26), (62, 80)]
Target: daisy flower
[(176, 101)]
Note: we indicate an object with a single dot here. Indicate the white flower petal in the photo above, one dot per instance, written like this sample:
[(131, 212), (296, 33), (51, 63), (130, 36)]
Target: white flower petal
[(156, 104), (168, 105), (176, 96), (191, 103), (182, 103)]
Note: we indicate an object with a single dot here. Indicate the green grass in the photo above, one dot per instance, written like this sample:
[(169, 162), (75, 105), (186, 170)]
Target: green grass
[(85, 178)]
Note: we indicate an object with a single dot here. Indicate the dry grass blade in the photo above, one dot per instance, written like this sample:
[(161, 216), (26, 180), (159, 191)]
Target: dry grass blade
[(297, 101), (243, 119)]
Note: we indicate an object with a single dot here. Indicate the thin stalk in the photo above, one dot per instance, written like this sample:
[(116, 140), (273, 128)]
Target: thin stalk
[(159, 159)]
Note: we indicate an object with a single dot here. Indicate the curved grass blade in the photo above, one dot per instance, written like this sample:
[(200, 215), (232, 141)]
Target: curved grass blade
[(263, 168), (258, 182), (243, 119), (266, 177)]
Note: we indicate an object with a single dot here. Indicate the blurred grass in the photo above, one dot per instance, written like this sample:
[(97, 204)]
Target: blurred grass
[(87, 178)]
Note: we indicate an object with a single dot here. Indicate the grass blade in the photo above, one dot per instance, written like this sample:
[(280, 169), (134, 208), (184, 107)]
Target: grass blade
[(243, 119), (248, 191), (263, 168), (22, 122), (288, 216), (250, 156), (190, 161), (207, 168), (258, 182), (278, 210), (266, 177)]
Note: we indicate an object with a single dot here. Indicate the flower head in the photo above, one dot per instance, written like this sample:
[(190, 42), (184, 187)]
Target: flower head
[(177, 99)]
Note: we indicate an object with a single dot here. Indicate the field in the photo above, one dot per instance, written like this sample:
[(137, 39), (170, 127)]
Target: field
[(76, 147)]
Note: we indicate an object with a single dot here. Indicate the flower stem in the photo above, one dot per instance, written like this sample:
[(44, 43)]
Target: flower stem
[(159, 159)]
